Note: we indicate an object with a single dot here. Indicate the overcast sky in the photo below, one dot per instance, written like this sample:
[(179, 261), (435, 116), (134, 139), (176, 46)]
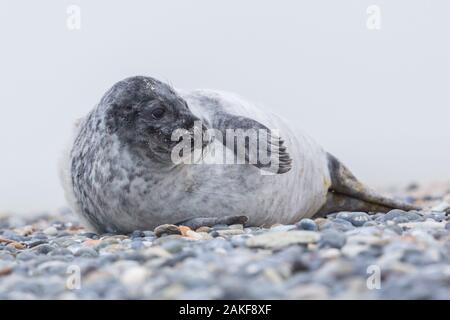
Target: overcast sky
[(377, 99)]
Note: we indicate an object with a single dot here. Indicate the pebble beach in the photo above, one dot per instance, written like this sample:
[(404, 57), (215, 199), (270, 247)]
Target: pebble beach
[(346, 255)]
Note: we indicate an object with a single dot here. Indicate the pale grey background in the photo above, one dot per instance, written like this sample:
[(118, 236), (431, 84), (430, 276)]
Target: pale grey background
[(379, 100)]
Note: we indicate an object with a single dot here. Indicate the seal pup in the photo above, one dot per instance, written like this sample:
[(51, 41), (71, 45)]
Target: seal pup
[(119, 174)]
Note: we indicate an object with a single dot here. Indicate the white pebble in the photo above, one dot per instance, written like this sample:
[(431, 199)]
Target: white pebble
[(51, 231), (134, 276)]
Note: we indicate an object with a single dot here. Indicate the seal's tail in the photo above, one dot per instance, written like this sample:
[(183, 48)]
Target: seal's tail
[(348, 194)]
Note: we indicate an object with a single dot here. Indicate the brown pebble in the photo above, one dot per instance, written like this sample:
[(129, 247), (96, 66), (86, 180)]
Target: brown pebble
[(166, 229), (5, 271), (4, 240), (184, 230), (203, 229), (320, 222), (17, 245), (92, 243), (25, 231), (77, 228)]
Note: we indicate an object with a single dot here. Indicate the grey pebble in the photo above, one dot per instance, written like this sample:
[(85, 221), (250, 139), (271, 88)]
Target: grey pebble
[(338, 224), (5, 255), (90, 235), (220, 227), (26, 256), (43, 249), (395, 228), (332, 239), (391, 215), (40, 236), (345, 215), (53, 267), (414, 216), (177, 259), (148, 233), (400, 215), (11, 235), (437, 216), (134, 256), (136, 244), (33, 243), (172, 245), (61, 252), (307, 224), (357, 219), (86, 252), (376, 216), (370, 223), (137, 234), (400, 219), (239, 241)]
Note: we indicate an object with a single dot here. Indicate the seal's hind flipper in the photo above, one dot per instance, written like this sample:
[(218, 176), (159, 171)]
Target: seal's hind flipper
[(196, 223), (348, 194), (259, 142)]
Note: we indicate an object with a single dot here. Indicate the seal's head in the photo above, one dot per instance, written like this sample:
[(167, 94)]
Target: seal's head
[(144, 112)]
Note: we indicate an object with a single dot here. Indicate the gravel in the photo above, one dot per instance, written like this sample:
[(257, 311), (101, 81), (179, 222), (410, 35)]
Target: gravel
[(307, 224), (346, 255)]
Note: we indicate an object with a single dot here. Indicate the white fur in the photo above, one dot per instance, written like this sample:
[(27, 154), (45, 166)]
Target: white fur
[(65, 176)]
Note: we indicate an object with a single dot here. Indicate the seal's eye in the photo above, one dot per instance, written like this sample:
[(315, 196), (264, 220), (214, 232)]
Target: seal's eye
[(158, 113)]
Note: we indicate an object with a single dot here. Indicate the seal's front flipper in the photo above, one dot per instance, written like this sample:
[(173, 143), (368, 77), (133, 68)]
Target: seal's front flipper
[(196, 223), (254, 142), (348, 194)]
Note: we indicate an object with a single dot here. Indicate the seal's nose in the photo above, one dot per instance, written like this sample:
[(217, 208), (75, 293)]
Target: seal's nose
[(190, 122)]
